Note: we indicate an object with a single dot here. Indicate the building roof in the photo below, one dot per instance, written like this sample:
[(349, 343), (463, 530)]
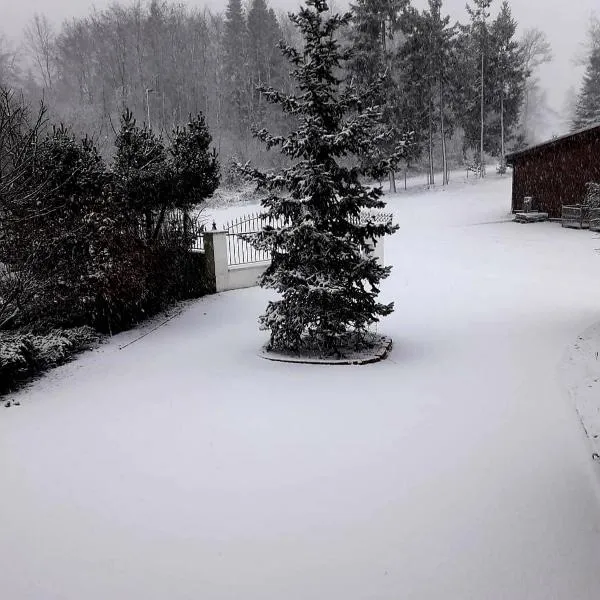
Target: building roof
[(553, 142)]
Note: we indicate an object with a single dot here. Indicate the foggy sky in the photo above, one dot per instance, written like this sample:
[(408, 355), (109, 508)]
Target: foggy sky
[(565, 23)]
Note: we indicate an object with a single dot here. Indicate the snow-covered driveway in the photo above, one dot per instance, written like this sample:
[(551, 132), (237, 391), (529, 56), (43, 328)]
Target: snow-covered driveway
[(184, 467)]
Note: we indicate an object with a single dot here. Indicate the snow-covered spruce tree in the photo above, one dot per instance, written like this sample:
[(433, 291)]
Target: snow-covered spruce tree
[(140, 172), (322, 264), (194, 164), (587, 111)]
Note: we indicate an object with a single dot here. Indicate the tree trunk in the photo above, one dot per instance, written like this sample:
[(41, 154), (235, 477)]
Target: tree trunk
[(443, 132), (431, 169), (502, 149), (159, 222), (148, 223), (481, 163), (392, 175)]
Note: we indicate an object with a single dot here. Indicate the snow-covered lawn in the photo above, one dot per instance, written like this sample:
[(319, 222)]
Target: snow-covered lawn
[(185, 467)]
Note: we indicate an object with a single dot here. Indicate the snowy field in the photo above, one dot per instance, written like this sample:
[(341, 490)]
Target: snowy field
[(185, 467)]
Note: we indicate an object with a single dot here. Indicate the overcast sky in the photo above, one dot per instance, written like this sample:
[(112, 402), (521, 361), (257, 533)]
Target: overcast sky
[(565, 22)]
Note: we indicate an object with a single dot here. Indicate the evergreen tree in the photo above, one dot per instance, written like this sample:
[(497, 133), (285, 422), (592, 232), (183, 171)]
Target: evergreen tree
[(373, 28), (507, 80), (587, 111), (322, 263), (373, 31), (193, 164), (438, 74), (139, 168), (265, 62), (416, 82), (475, 47), (236, 85), (151, 179)]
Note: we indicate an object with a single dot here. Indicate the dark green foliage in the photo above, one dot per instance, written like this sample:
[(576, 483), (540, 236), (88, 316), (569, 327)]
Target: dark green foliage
[(19, 133), (141, 179), (503, 78), (507, 86), (152, 180), (195, 167), (474, 50), (85, 245), (51, 231), (376, 65), (429, 76), (322, 264), (157, 185), (372, 30), (265, 62), (413, 59), (235, 45)]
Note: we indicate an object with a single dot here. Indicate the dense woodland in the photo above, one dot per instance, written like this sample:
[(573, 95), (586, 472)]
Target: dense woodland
[(459, 88)]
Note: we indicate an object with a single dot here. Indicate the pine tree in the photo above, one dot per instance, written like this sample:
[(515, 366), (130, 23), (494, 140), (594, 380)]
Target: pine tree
[(373, 27), (507, 79), (193, 164), (415, 84), (474, 46), (193, 168), (265, 63), (139, 169), (372, 33), (437, 41), (237, 89), (587, 111), (322, 263), (446, 75), (150, 179)]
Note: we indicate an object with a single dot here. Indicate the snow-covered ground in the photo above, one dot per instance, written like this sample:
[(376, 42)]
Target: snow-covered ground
[(183, 466), (580, 377)]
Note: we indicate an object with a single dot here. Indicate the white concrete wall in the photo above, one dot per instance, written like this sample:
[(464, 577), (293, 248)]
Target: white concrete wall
[(226, 277), (378, 250), (243, 276)]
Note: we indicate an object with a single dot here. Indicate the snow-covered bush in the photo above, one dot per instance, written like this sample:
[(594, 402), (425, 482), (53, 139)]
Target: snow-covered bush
[(23, 355), (592, 197), (66, 215), (100, 248)]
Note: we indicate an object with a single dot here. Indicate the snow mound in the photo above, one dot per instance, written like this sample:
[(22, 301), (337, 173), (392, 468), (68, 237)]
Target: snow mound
[(378, 349), (580, 376)]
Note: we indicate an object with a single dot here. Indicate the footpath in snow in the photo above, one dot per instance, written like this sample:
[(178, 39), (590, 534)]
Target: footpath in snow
[(183, 466)]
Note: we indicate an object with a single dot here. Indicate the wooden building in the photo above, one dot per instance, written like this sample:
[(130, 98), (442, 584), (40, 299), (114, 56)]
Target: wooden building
[(555, 173)]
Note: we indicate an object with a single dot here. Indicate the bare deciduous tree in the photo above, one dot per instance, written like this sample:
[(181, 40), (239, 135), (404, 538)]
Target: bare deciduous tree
[(40, 41)]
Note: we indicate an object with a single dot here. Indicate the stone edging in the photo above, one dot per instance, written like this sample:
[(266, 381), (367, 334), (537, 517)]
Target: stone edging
[(379, 353)]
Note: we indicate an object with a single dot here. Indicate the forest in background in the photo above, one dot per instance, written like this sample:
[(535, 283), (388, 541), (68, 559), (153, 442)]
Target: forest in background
[(457, 88)]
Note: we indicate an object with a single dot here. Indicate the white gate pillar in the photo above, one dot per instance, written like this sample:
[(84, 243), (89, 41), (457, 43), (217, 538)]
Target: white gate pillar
[(215, 248)]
